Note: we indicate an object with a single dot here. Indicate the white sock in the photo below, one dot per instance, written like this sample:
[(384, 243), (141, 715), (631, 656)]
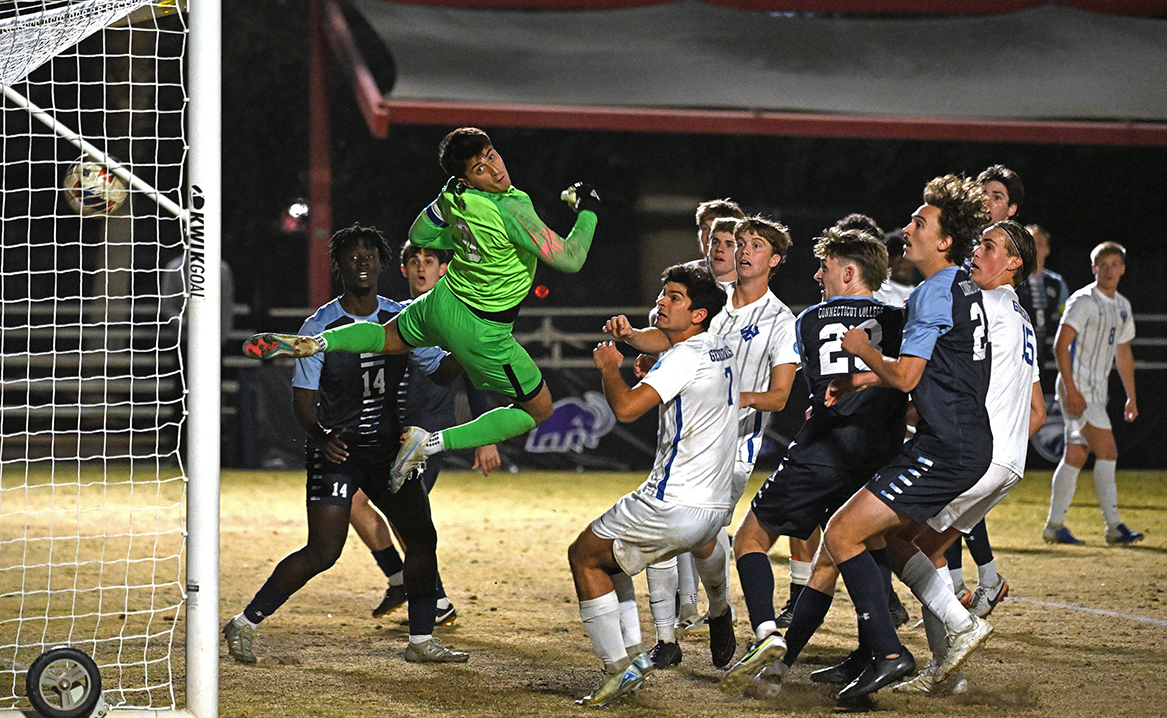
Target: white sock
[(241, 620), (687, 582), (765, 628), (397, 579), (662, 593), (800, 572), (921, 576), (443, 603), (714, 577), (945, 576), (434, 444), (629, 615), (1107, 491), (601, 618), (956, 576), (1061, 494), (987, 575), (421, 639)]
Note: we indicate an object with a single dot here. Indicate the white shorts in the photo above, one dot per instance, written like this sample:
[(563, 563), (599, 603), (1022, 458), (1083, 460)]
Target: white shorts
[(966, 511), (742, 470), (646, 530), (1095, 415)]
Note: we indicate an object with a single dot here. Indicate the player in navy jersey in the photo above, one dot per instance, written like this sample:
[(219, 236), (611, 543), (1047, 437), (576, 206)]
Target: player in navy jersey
[(944, 363), (347, 403), (834, 453), (424, 403)]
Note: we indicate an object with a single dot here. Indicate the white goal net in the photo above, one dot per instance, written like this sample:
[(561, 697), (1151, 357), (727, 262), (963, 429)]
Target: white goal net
[(93, 486)]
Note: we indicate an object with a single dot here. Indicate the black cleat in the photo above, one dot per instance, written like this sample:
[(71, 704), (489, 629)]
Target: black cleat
[(394, 597), (665, 655), (879, 673), (722, 641), (843, 673)]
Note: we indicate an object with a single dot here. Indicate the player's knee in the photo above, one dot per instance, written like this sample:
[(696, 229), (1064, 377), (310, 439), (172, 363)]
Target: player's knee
[(322, 557)]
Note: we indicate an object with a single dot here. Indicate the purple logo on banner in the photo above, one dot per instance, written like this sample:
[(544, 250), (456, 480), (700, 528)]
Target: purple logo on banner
[(575, 424)]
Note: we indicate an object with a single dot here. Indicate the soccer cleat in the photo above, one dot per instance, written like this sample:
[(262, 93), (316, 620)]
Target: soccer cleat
[(984, 600), (722, 641), (433, 652), (614, 686), (961, 645), (759, 656), (843, 673), (266, 346), (899, 612), (1123, 535), (665, 655), (239, 637), (768, 684), (394, 597), (925, 683), (446, 616), (963, 594), (644, 663), (785, 615), (410, 457), (1061, 534), (878, 673), (694, 625)]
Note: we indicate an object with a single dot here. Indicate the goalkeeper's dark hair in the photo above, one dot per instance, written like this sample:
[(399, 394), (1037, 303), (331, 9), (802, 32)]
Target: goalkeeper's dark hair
[(353, 236), (409, 250), (868, 254), (459, 147), (964, 211), (703, 290)]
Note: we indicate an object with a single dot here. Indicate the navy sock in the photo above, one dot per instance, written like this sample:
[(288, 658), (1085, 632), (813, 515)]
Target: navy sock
[(884, 563), (978, 544), (423, 611), (388, 560), (267, 601), (952, 555), (757, 579), (869, 594), (809, 612)]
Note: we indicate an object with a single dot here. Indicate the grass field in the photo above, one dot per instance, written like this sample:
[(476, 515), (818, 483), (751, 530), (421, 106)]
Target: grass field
[(1084, 632)]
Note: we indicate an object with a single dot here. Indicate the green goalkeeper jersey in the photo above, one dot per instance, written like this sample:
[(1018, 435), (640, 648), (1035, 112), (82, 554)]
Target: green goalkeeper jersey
[(497, 240)]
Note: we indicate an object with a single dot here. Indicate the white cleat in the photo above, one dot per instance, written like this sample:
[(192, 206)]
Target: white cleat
[(961, 645)]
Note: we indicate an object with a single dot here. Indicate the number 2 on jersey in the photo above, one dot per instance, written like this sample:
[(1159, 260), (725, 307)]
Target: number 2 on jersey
[(833, 359)]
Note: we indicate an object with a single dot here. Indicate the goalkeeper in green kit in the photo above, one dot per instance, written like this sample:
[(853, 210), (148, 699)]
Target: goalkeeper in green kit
[(497, 239)]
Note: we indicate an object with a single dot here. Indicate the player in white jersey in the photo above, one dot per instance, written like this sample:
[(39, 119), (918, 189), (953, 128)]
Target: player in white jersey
[(1095, 333), (760, 330), (686, 499), (1003, 259)]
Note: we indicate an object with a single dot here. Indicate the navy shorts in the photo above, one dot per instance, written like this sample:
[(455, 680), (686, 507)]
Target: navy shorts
[(919, 486), (367, 467), (798, 498)]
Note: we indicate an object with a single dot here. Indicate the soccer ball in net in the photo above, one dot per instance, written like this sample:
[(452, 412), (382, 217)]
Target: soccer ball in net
[(92, 189)]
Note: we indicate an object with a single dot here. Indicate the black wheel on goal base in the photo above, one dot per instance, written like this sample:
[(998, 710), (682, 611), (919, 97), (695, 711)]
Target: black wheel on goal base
[(63, 683)]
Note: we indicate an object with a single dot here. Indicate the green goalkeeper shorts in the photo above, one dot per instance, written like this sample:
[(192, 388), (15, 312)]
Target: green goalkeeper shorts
[(487, 350)]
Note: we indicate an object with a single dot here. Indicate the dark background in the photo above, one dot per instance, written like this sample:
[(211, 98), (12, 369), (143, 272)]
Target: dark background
[(1082, 194)]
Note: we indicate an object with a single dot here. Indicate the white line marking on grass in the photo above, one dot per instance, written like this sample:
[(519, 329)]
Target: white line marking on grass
[(1087, 609)]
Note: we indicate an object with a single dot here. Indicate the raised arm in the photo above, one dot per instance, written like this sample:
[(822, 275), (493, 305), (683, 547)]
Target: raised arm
[(649, 340), (567, 254), (627, 403)]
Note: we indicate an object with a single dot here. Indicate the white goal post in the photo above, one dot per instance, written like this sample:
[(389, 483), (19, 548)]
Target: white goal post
[(110, 356)]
